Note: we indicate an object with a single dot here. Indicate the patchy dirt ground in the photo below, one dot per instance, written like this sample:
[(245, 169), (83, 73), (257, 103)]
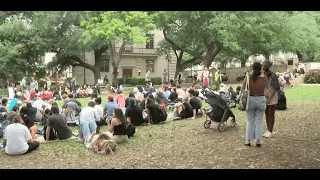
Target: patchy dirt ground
[(186, 144)]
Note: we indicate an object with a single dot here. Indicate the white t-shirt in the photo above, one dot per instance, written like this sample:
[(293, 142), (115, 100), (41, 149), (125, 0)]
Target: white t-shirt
[(88, 114), (99, 109), (17, 135)]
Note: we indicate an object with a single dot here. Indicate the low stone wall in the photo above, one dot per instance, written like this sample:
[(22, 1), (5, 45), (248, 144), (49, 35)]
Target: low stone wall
[(299, 80)]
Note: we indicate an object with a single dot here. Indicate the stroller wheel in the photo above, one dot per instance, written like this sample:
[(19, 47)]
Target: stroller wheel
[(207, 124), (233, 122), (221, 126)]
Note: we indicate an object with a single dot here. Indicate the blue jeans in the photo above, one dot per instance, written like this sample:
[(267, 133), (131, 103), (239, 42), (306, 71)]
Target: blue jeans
[(255, 112), (123, 110), (87, 128)]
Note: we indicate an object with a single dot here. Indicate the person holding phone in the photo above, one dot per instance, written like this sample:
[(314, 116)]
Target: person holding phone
[(117, 126)]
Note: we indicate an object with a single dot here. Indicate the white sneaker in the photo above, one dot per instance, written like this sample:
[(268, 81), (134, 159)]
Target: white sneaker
[(269, 135), (264, 135)]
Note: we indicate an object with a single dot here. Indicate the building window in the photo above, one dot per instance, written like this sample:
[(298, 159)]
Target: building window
[(290, 62), (150, 65), (150, 41), (104, 66)]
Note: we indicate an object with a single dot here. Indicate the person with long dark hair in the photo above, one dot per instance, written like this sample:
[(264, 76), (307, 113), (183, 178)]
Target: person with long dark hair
[(28, 121), (117, 126), (134, 113), (257, 104), (273, 86)]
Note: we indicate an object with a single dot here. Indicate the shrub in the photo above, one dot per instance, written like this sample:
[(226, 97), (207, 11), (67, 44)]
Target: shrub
[(312, 77), (156, 80)]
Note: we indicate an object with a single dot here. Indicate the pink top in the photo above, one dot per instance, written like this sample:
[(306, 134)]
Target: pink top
[(120, 100), (180, 92)]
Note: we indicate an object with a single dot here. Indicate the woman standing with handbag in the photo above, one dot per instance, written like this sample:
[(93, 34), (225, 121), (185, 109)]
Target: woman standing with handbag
[(257, 104)]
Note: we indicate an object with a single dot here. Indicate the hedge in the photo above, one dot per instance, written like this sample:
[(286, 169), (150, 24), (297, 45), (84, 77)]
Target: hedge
[(140, 81), (312, 77)]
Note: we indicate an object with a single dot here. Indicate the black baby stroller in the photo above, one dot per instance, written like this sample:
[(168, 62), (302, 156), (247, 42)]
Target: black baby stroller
[(219, 112)]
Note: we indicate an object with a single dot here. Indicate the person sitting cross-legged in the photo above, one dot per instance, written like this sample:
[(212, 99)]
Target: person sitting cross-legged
[(183, 110), (17, 138), (58, 123)]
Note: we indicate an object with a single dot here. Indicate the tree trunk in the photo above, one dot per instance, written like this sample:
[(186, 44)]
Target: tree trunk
[(179, 67), (300, 56), (208, 59), (266, 56), (114, 74), (96, 66), (115, 61), (243, 62), (115, 58), (212, 50)]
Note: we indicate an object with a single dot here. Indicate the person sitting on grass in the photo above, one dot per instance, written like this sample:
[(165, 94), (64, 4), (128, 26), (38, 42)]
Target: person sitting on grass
[(183, 110), (134, 113), (121, 100), (88, 118), (117, 126), (17, 138), (14, 112), (29, 121), (99, 109), (58, 124), (109, 106), (195, 103)]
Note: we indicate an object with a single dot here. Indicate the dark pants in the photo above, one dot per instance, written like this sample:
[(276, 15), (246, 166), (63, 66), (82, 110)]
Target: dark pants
[(52, 134), (101, 122), (32, 146)]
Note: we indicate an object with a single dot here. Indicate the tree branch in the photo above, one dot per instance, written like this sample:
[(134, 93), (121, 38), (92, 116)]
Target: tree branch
[(218, 48), (169, 40), (190, 62)]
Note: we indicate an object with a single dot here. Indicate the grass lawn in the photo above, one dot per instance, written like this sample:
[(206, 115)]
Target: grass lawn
[(187, 144)]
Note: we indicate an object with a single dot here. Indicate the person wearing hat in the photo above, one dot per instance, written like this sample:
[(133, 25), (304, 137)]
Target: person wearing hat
[(110, 106)]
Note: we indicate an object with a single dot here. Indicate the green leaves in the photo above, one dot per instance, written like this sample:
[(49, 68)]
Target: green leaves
[(130, 27)]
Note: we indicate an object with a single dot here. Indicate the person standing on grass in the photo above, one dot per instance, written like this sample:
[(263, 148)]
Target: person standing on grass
[(58, 124), (17, 138), (271, 93), (257, 105)]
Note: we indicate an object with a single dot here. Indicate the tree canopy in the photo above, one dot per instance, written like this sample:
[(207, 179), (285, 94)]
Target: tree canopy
[(118, 28), (190, 37)]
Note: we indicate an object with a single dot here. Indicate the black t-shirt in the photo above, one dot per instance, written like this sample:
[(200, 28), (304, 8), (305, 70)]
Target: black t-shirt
[(195, 103), (187, 112), (135, 113), (154, 112), (143, 103), (173, 96), (59, 123), (28, 121)]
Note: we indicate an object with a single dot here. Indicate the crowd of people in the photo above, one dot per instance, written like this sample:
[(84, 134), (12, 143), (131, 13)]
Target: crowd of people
[(145, 105)]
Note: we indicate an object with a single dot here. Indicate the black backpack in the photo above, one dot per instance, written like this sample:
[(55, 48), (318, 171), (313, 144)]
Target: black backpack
[(131, 129), (163, 113)]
